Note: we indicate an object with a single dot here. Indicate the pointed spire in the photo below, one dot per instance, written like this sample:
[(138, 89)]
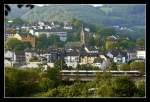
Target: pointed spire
[(82, 28), (82, 39)]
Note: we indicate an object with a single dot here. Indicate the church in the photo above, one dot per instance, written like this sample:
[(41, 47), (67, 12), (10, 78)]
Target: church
[(79, 44)]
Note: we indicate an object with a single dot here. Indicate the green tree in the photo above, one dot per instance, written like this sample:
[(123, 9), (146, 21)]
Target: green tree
[(15, 44), (123, 87), (104, 90), (138, 66), (54, 75), (91, 41), (140, 42), (22, 46), (42, 41), (60, 64), (12, 42), (125, 44), (107, 31), (140, 84), (124, 67), (18, 21), (45, 84), (20, 82), (110, 45), (114, 66)]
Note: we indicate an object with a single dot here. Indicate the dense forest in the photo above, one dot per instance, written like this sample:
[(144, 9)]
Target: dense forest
[(105, 15)]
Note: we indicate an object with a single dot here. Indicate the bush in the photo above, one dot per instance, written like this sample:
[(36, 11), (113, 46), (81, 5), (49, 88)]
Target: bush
[(46, 84), (138, 66), (123, 87), (20, 82), (140, 84), (124, 67)]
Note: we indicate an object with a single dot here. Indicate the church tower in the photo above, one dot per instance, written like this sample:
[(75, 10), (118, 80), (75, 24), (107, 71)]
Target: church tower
[(82, 37)]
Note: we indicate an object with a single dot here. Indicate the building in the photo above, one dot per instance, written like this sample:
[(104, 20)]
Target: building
[(59, 32), (72, 57), (141, 54), (67, 26), (98, 62), (29, 53), (26, 38), (131, 55), (88, 58), (20, 58), (117, 56), (78, 44), (9, 33), (9, 58)]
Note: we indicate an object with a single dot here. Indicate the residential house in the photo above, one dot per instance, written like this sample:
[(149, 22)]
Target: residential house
[(30, 53), (67, 26), (59, 32), (9, 58), (9, 33), (98, 62), (72, 57), (52, 55), (88, 58), (117, 56), (141, 54), (26, 38), (131, 55), (20, 58)]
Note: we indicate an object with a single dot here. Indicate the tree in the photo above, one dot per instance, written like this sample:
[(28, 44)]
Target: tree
[(54, 75), (138, 66), (125, 44), (16, 45), (76, 22), (104, 90), (124, 67), (123, 87), (22, 46), (60, 64), (91, 41), (45, 84), (140, 84), (54, 40), (12, 42), (113, 66), (108, 31), (20, 82), (109, 45), (140, 42), (42, 41), (18, 21)]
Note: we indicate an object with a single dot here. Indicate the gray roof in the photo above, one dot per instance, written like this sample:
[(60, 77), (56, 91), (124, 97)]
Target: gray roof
[(73, 44)]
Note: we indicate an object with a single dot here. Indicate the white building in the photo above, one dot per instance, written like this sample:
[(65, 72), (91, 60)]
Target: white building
[(141, 54), (10, 58), (71, 60)]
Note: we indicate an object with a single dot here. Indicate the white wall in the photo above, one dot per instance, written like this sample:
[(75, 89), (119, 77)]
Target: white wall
[(141, 54)]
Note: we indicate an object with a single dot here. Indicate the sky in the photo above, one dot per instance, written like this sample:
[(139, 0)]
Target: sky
[(94, 5)]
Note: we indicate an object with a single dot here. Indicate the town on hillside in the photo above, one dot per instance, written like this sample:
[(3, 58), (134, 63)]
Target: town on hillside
[(75, 51)]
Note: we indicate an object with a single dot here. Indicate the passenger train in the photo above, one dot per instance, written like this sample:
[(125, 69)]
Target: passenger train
[(94, 72)]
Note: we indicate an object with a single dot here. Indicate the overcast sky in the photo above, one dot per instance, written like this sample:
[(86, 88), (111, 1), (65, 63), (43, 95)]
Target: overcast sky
[(95, 5)]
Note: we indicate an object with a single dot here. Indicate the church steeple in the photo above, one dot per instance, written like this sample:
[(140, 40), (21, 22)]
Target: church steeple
[(82, 37)]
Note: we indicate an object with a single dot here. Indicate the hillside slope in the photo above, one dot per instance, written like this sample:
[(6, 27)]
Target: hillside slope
[(108, 15)]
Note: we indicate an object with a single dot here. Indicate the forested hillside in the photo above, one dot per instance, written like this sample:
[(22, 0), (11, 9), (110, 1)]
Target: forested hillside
[(109, 15)]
